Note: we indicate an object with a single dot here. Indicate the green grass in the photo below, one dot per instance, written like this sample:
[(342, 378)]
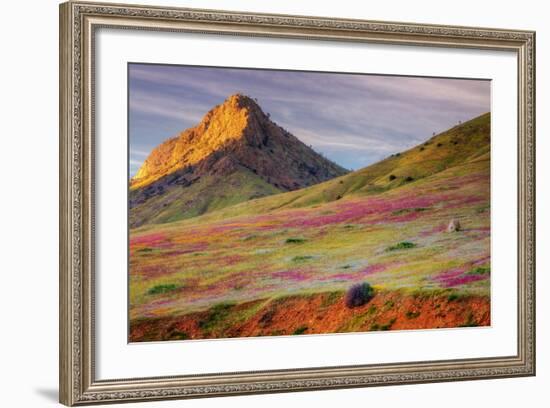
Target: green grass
[(401, 245), (216, 316), (162, 289), (209, 193), (480, 270)]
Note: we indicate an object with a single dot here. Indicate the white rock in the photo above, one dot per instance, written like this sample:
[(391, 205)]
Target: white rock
[(453, 226)]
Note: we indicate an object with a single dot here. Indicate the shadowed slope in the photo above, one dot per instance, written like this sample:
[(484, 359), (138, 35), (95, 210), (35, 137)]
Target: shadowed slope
[(235, 154)]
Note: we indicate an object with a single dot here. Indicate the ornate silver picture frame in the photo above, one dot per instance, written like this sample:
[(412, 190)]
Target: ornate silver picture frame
[(79, 23)]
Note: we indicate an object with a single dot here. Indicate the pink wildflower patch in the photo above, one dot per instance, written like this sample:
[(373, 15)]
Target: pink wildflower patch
[(372, 269), (292, 274), (148, 240), (457, 277), (434, 230)]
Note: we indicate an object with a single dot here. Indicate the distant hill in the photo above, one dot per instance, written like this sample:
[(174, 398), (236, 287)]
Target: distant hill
[(465, 143), (236, 153)]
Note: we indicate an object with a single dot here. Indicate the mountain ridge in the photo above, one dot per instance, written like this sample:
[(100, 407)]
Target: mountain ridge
[(235, 137), (463, 144)]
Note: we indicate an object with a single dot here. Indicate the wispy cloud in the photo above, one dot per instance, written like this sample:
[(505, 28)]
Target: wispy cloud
[(353, 119)]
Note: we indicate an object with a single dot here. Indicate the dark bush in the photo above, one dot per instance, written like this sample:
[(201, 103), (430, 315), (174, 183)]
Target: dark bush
[(302, 258), (158, 289), (422, 149), (401, 245), (359, 294), (392, 177), (439, 144), (409, 179), (300, 330), (412, 314), (295, 240)]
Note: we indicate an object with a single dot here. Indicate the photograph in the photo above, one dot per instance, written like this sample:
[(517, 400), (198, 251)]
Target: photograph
[(268, 202), (263, 202)]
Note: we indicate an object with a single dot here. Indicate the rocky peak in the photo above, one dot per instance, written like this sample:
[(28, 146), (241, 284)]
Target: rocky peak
[(239, 132)]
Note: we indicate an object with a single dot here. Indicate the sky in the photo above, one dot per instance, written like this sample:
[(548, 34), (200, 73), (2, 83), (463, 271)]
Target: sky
[(353, 119)]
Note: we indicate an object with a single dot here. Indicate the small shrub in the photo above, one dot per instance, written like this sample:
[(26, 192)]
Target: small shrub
[(397, 154), (470, 321), (412, 314), (480, 270), (295, 240), (145, 250), (439, 144), (338, 197), (178, 335), (422, 149), (388, 325), (389, 304), (483, 208), (371, 310), (452, 297), (374, 327), (409, 179), (401, 245), (158, 289), (216, 315), (302, 258), (300, 330), (358, 295), (392, 177)]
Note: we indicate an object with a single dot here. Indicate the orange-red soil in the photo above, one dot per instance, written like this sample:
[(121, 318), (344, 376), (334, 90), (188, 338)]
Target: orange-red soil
[(318, 313)]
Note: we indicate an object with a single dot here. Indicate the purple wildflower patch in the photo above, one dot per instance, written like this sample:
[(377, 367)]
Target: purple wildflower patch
[(457, 277)]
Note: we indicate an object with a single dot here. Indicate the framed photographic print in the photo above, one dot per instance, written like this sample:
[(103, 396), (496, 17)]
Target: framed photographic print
[(256, 203)]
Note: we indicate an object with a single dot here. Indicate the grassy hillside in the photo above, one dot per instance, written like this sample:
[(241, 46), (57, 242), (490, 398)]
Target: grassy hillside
[(286, 253), (463, 143), (209, 193)]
